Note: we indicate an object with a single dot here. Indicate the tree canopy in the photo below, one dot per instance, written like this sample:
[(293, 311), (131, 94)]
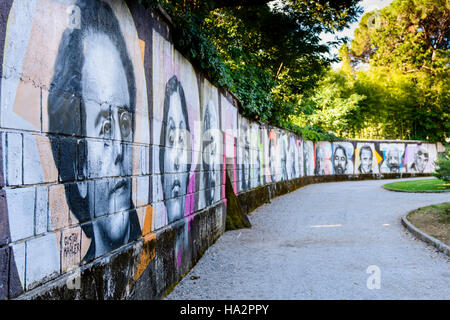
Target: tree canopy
[(394, 77)]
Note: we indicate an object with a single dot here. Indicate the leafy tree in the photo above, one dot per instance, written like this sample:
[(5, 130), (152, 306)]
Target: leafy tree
[(443, 167), (269, 56), (393, 83)]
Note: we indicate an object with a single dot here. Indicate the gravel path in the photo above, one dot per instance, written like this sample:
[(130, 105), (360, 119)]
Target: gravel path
[(317, 243)]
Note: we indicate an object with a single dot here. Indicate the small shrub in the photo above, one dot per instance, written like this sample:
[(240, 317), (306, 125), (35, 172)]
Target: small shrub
[(442, 164)]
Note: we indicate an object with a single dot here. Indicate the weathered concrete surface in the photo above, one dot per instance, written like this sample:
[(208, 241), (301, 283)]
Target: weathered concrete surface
[(284, 256)]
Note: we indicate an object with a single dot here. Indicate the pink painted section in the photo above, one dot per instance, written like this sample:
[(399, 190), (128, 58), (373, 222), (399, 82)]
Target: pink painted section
[(179, 256)]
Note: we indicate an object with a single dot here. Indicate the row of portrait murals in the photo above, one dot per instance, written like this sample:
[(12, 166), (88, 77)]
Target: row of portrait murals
[(108, 134)]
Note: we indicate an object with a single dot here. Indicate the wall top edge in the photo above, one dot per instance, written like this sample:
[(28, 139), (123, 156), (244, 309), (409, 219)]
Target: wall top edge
[(164, 16)]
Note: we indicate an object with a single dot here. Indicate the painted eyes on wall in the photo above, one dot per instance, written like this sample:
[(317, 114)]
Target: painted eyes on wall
[(125, 124), (176, 136), (420, 153)]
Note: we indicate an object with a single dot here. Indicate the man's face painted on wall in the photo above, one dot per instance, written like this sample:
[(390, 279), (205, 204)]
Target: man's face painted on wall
[(421, 159), (284, 159), (340, 161), (108, 116), (175, 159), (211, 141), (307, 169), (246, 158), (366, 160), (272, 159), (393, 160)]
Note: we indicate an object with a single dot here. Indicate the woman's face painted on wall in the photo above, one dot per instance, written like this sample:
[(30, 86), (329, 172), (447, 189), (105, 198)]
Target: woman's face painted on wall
[(109, 118), (175, 159), (211, 140)]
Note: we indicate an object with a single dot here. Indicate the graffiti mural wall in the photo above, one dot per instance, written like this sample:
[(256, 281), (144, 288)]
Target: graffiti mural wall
[(110, 138)]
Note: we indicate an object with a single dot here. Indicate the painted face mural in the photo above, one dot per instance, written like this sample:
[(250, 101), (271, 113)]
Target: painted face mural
[(343, 158), (394, 160), (291, 164), (392, 157), (366, 158), (323, 163), (245, 154), (94, 78), (320, 159), (272, 155), (340, 160), (211, 148), (309, 157), (256, 155), (300, 165), (420, 158), (283, 157), (174, 159)]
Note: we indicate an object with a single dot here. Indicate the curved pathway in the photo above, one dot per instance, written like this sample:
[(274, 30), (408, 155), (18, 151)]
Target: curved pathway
[(317, 243)]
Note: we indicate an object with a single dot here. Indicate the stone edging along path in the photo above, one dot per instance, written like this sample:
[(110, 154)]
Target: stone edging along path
[(439, 245)]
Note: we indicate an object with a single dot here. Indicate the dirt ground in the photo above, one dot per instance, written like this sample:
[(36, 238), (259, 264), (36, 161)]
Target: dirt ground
[(433, 220)]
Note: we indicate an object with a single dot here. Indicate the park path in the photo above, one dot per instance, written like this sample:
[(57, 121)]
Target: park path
[(317, 243)]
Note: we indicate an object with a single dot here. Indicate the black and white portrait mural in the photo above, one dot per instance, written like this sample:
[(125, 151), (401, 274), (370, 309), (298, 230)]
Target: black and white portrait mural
[(94, 78), (273, 156), (255, 143), (367, 158), (420, 158), (323, 165), (212, 142), (177, 133), (283, 153), (393, 157), (81, 84), (244, 154), (343, 157), (300, 162), (88, 164), (309, 157), (292, 156), (175, 155)]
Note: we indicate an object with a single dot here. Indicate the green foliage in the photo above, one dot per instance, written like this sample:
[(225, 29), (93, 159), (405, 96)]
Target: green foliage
[(393, 83), (443, 166)]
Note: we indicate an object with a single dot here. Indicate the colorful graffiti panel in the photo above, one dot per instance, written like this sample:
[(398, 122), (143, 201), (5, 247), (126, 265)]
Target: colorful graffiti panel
[(420, 158)]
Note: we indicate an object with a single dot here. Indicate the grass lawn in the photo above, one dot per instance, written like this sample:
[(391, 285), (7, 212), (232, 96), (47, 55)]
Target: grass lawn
[(433, 220), (419, 185)]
